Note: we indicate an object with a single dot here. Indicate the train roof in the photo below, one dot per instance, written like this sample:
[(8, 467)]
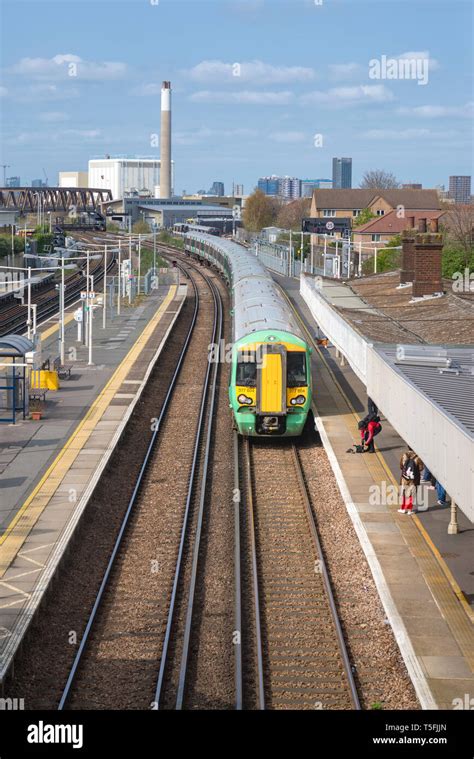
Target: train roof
[(257, 301)]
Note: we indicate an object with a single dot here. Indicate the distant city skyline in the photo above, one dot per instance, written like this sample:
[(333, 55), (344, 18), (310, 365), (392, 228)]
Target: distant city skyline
[(260, 103)]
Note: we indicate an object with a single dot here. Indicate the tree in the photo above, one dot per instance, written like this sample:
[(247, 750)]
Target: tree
[(379, 179), (112, 227), (260, 211), (364, 216), (291, 215), (141, 228), (458, 229), (5, 246)]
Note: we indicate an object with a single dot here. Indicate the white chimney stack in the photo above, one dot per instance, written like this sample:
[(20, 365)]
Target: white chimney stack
[(165, 141)]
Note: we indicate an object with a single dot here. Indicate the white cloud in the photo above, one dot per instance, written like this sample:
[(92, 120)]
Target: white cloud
[(146, 90), (255, 72), (62, 135), (204, 133), (85, 134), (289, 136), (432, 62), (408, 134), (396, 134), (244, 97), (53, 117), (345, 70), (439, 111), (70, 66), (44, 92), (340, 96)]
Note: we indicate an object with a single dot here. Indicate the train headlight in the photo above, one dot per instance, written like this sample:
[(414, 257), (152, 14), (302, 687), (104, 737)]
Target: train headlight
[(244, 399), (298, 401)]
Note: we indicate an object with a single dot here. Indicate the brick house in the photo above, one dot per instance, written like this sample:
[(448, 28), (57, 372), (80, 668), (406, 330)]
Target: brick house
[(383, 228), (351, 202)]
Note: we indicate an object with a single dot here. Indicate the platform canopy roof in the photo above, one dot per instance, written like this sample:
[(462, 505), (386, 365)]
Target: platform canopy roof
[(15, 346)]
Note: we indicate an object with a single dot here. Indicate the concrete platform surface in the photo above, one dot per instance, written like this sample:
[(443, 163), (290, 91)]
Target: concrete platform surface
[(50, 468)]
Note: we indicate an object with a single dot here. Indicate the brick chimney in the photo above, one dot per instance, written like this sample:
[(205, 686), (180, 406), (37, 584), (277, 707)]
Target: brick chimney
[(428, 253), (407, 272)]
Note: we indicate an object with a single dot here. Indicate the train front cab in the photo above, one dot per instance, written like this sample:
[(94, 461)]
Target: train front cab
[(270, 390)]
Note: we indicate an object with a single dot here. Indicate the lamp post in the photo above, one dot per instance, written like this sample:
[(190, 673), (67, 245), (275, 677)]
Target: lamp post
[(13, 243), (62, 309), (89, 324), (28, 321), (289, 256), (119, 291), (130, 271), (104, 308), (86, 330), (34, 306), (139, 261)]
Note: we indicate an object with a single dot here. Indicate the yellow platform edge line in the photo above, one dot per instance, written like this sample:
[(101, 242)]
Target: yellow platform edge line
[(148, 329), (442, 564)]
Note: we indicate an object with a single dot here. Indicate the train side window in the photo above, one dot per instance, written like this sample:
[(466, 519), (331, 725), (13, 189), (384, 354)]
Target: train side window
[(295, 369), (247, 369)]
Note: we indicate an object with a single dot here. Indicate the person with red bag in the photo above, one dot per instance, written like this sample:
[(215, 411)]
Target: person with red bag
[(369, 427)]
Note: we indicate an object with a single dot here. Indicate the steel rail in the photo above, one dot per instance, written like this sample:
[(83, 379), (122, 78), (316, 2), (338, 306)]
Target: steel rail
[(256, 596), (17, 323), (237, 497), (202, 497), (327, 583), (184, 529), (138, 483)]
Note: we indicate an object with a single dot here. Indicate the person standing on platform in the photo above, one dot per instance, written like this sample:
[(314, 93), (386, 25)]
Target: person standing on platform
[(410, 466)]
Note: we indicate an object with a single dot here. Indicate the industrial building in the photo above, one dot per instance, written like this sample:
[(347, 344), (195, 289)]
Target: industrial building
[(124, 175), (165, 214), (73, 179)]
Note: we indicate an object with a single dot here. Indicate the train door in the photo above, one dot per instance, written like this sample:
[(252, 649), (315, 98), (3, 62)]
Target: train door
[(271, 387)]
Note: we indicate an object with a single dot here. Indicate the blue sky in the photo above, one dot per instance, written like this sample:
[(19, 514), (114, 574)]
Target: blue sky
[(304, 71)]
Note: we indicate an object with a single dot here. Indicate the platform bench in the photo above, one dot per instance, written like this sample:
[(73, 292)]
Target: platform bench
[(38, 394), (63, 370)]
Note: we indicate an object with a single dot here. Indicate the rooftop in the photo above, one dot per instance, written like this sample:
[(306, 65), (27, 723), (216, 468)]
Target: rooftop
[(393, 223), (388, 315), (451, 387), (361, 198)]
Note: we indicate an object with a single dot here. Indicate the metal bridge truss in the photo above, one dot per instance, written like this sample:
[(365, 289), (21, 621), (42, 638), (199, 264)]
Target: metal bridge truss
[(26, 199)]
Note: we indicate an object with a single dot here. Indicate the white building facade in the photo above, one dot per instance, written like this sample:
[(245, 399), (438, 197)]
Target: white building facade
[(126, 175)]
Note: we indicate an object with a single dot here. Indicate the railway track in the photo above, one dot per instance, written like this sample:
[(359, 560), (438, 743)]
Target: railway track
[(137, 631), (297, 650), (13, 318), (172, 677)]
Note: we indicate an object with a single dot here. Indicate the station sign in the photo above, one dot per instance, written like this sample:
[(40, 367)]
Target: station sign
[(322, 226)]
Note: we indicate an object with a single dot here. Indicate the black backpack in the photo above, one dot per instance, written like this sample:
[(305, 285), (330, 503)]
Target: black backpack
[(409, 470)]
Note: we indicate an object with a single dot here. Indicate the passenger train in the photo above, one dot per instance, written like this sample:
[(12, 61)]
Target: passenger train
[(270, 379)]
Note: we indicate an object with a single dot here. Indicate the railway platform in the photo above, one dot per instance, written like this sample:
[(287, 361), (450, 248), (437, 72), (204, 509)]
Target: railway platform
[(48, 469), (423, 575)]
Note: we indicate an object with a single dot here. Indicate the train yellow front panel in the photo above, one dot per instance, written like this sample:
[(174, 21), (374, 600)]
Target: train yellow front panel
[(271, 384)]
